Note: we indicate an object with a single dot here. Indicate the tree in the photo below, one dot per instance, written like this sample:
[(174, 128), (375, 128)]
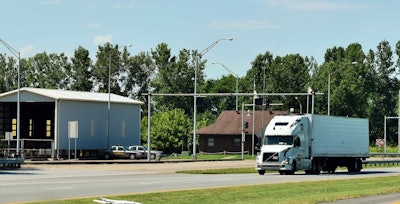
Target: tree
[(227, 84), (110, 65), (8, 79), (46, 71), (175, 75), (288, 74), (140, 73), (168, 130), (351, 84), (384, 100), (81, 75)]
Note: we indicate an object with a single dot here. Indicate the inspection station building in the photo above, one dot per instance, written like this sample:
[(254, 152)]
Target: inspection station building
[(99, 120)]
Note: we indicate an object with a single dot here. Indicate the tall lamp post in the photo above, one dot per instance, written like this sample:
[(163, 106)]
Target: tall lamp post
[(201, 54), (301, 108), (109, 96), (329, 87), (237, 82), (18, 55)]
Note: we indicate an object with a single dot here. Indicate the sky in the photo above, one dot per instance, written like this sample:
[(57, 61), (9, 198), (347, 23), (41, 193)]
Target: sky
[(282, 27)]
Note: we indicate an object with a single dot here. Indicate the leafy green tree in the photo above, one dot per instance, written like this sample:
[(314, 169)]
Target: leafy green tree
[(81, 76), (175, 75), (385, 99), (110, 64), (140, 73), (8, 79), (288, 74), (168, 130), (227, 84), (46, 71), (351, 84)]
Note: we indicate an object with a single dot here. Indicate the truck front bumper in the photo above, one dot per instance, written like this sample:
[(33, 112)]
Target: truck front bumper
[(269, 166)]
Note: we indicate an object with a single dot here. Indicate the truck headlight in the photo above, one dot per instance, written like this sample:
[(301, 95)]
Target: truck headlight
[(286, 161), (258, 159)]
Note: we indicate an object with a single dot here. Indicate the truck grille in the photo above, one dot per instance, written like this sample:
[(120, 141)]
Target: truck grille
[(270, 157)]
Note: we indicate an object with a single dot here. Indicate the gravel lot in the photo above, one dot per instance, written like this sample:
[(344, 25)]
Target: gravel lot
[(169, 167)]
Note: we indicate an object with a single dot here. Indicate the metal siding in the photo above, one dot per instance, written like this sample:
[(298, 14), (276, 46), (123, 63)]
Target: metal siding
[(339, 136), (120, 113), (25, 97), (86, 112)]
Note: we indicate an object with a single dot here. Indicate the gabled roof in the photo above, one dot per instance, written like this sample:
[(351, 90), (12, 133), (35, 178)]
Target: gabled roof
[(230, 122), (71, 95)]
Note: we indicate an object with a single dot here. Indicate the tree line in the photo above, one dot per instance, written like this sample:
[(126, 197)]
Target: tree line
[(362, 84)]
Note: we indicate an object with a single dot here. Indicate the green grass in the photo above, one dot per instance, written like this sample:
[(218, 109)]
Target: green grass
[(211, 157), (220, 171), (302, 192), (389, 149)]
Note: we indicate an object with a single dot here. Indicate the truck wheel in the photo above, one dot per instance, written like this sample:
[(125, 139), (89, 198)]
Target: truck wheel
[(132, 156), (107, 156), (316, 167), (281, 172), (152, 156), (261, 172), (355, 166), (358, 165), (291, 172)]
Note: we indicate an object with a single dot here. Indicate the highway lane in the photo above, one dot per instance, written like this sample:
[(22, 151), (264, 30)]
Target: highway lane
[(27, 185)]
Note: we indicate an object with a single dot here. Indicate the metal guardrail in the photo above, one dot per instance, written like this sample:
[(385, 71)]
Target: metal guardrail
[(381, 162), (376, 154)]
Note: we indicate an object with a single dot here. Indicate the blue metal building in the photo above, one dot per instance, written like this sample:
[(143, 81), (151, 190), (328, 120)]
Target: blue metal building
[(46, 113)]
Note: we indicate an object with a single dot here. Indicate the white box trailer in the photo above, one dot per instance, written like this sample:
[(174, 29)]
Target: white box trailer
[(313, 143)]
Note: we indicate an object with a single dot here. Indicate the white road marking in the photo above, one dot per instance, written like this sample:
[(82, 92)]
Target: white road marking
[(58, 188)]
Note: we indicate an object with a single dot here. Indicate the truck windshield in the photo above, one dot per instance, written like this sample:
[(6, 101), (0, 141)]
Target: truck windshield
[(281, 140)]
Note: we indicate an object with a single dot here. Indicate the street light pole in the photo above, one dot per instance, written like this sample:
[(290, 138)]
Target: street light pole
[(301, 108), (237, 81), (18, 55), (201, 54), (109, 96)]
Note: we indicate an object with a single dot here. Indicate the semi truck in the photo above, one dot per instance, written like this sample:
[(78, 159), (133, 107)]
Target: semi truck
[(313, 143)]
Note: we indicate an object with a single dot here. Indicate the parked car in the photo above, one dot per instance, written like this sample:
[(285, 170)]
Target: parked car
[(143, 150), (119, 151)]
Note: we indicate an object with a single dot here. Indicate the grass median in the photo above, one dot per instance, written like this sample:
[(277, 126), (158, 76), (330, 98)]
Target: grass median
[(302, 192)]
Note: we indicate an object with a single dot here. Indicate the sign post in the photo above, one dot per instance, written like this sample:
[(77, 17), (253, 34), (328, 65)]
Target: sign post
[(72, 133)]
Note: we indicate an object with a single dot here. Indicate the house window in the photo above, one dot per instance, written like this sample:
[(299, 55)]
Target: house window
[(210, 142), (236, 142)]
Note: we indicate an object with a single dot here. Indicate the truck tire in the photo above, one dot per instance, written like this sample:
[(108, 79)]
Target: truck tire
[(132, 156), (291, 172), (107, 156), (261, 172), (316, 166), (354, 166), (152, 156)]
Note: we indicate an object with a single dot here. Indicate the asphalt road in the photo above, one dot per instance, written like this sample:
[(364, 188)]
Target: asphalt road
[(40, 184)]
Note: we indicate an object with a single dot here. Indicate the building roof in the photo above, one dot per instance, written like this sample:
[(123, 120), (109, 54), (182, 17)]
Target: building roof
[(230, 122), (68, 95)]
